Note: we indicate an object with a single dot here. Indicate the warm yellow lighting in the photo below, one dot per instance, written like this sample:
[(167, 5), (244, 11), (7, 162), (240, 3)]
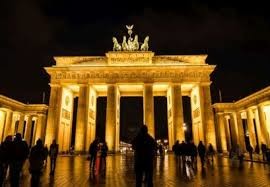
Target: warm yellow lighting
[(184, 126)]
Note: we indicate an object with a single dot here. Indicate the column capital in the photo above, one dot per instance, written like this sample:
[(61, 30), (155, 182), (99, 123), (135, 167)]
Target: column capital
[(148, 83), (220, 113), (175, 83), (83, 85), (54, 85), (205, 83)]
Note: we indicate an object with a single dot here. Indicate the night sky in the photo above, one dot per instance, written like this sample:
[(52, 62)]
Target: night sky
[(236, 38)]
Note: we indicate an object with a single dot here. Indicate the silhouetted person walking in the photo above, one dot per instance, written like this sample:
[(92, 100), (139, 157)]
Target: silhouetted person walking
[(210, 153), (19, 154), (93, 148), (104, 150), (53, 152), (36, 160), (46, 155), (5, 152), (264, 150), (250, 151), (145, 148), (201, 151)]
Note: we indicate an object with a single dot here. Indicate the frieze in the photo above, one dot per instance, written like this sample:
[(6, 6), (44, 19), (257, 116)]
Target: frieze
[(130, 75)]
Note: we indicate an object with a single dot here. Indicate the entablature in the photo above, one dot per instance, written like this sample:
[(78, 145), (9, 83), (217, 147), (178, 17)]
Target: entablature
[(131, 74)]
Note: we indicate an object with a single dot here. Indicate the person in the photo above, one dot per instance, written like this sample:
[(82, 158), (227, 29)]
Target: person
[(264, 150), (210, 153), (201, 151), (19, 154), (161, 150), (257, 149), (5, 150), (104, 150), (250, 151), (46, 152), (144, 147), (98, 159), (36, 161), (93, 148), (53, 152), (194, 154), (239, 154)]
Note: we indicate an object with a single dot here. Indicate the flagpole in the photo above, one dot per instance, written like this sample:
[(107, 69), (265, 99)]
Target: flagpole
[(43, 97), (220, 96)]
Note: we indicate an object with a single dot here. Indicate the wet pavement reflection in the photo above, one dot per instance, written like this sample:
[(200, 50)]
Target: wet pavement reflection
[(74, 171)]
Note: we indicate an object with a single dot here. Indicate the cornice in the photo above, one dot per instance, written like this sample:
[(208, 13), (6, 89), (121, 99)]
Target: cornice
[(14, 105), (130, 58)]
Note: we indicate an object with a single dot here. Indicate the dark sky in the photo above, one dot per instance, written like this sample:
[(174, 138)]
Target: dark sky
[(235, 36)]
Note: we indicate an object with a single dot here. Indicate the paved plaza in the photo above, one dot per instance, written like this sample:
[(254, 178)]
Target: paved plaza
[(74, 171)]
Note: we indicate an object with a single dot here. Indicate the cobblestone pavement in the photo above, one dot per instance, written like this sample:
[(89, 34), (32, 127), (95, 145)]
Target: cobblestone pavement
[(74, 171)]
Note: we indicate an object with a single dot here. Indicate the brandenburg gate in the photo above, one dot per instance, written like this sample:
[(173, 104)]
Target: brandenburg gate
[(129, 70)]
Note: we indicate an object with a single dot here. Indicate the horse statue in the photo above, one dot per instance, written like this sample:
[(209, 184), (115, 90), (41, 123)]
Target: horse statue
[(145, 46), (116, 45), (136, 43), (124, 44)]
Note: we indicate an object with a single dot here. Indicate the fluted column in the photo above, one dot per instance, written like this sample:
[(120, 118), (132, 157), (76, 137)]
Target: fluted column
[(2, 124), (177, 112), (208, 117), (265, 134), (251, 130), (21, 124), (233, 130), (53, 114), (81, 119), (260, 139), (40, 127), (228, 134), (8, 123), (221, 136), (148, 108), (111, 117), (241, 134), (117, 133), (27, 136)]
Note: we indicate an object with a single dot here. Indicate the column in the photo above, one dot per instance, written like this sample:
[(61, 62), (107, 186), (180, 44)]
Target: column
[(92, 117), (53, 114), (40, 127), (228, 134), (8, 124), (265, 134), (233, 130), (21, 124), (148, 108), (241, 134), (207, 116), (258, 128), (27, 136), (251, 129), (177, 112), (111, 117), (221, 136), (81, 118), (117, 133), (2, 124)]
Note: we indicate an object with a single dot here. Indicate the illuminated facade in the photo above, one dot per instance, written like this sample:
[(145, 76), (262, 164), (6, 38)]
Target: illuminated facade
[(129, 70), (127, 73), (244, 121), (27, 119)]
